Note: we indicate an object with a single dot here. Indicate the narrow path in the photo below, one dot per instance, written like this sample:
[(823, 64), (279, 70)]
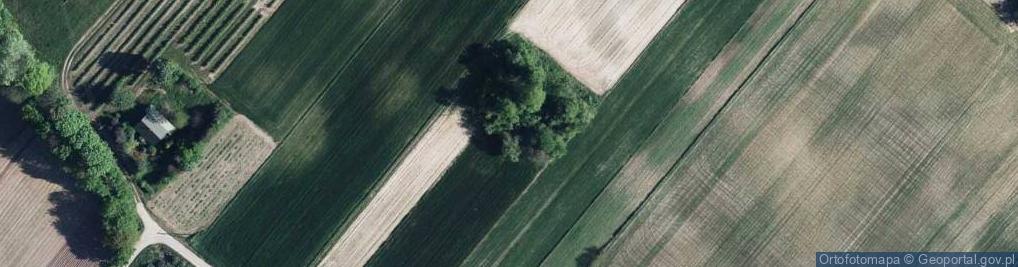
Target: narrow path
[(154, 234)]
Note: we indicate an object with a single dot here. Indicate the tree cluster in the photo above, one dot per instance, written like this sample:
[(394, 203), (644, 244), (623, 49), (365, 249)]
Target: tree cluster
[(516, 98), (72, 139), (70, 135)]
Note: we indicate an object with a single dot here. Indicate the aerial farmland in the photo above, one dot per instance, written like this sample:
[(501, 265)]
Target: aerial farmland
[(505, 132)]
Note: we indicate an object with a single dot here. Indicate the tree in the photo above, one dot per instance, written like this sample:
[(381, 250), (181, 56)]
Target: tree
[(514, 96), (15, 54), (38, 77)]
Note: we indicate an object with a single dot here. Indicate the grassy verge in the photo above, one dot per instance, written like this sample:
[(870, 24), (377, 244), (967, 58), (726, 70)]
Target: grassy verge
[(54, 26)]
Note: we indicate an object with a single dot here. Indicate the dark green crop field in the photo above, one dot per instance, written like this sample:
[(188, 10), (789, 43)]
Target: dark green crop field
[(53, 26), (355, 89)]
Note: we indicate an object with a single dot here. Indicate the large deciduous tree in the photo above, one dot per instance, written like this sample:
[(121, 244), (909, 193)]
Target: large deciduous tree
[(521, 101)]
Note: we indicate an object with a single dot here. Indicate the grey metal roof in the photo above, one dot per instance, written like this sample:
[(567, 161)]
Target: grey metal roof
[(157, 124)]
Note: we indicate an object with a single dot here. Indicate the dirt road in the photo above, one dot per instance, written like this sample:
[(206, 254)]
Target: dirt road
[(154, 234)]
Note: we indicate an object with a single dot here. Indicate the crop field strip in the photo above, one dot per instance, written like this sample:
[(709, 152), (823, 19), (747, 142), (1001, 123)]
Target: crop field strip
[(439, 233), (858, 134), (124, 34), (414, 174), (145, 28), (594, 41), (531, 228), (194, 199), (673, 135), (360, 103), (139, 44)]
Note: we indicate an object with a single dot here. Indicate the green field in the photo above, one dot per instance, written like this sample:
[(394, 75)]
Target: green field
[(661, 149), (298, 56), (519, 228), (345, 92), (872, 126), (53, 26)]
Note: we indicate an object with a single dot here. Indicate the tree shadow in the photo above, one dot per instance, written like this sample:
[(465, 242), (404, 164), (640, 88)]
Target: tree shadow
[(93, 95), (588, 256), (76, 211), (1006, 10), (123, 63), (78, 221)]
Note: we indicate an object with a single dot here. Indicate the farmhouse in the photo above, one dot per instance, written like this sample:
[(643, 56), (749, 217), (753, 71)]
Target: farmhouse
[(154, 127)]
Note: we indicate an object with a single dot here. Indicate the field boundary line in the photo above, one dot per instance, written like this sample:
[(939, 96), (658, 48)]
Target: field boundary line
[(304, 114), (643, 143), (554, 195), (242, 44), (696, 139), (342, 69), (379, 183), (500, 217)]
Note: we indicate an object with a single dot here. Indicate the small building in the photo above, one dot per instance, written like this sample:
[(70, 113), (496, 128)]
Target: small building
[(154, 127)]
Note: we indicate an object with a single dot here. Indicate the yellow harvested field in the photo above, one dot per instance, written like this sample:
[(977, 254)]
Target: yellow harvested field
[(44, 221), (194, 199), (416, 173), (875, 126), (595, 41)]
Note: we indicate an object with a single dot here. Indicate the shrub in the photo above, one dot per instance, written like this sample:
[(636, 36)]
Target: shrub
[(165, 72), (122, 98)]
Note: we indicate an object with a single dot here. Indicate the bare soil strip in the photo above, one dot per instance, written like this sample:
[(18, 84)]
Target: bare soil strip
[(594, 41), (422, 167), (194, 199)]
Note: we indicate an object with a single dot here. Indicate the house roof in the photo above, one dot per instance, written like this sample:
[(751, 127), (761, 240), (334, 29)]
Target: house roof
[(157, 124)]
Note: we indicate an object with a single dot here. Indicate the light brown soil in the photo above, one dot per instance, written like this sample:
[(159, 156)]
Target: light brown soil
[(419, 170), (595, 41), (193, 200), (45, 221)]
